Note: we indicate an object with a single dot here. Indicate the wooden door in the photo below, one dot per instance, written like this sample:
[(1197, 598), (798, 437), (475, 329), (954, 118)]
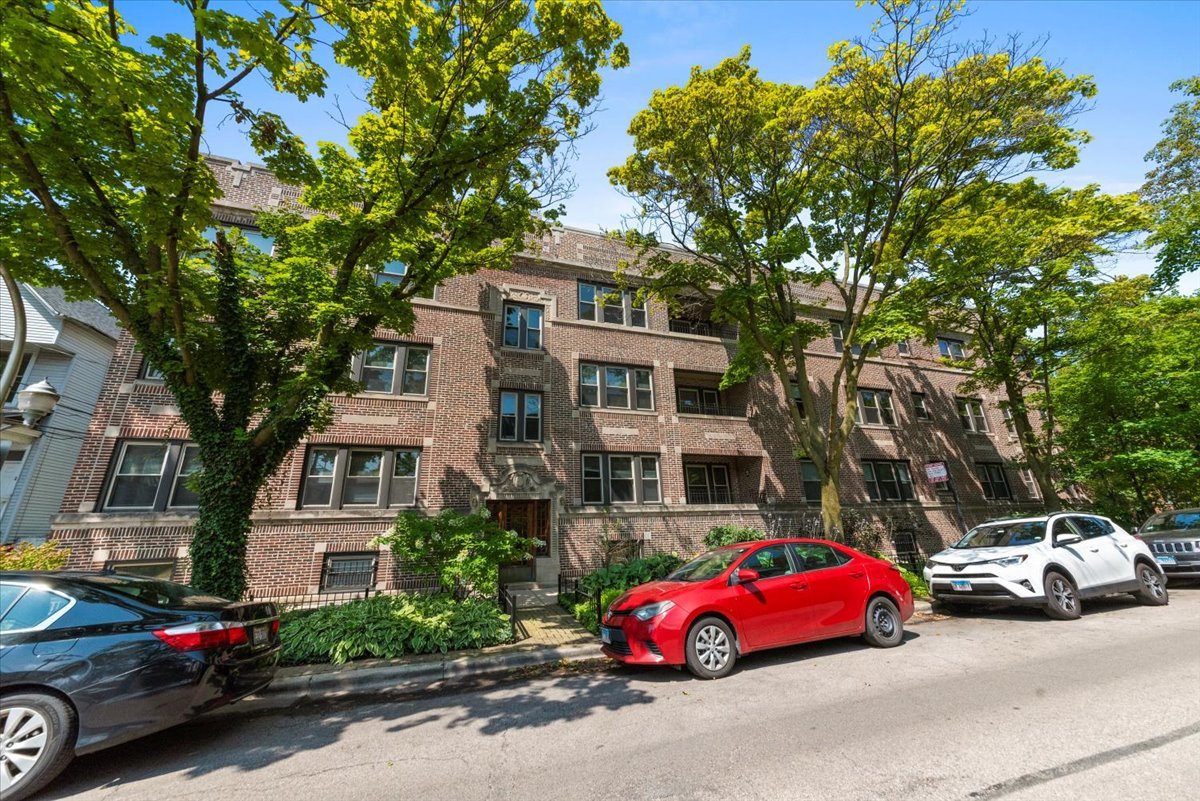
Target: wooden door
[(529, 519)]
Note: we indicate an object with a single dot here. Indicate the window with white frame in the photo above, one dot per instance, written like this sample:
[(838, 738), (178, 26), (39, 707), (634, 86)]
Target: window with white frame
[(1031, 485), (608, 304), (337, 477), (970, 412), (1009, 425), (26, 358), (902, 347), (839, 339), (951, 348), (391, 274), (888, 480), (707, 483), (613, 387), (617, 478), (394, 369), (161, 569), (698, 400), (523, 326), (148, 372), (875, 407), (991, 478), (920, 410), (520, 416), (153, 476)]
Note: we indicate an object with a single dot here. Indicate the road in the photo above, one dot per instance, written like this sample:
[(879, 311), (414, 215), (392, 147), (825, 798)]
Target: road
[(1006, 704)]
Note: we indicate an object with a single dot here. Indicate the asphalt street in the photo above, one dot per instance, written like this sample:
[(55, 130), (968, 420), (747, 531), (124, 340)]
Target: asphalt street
[(1004, 705)]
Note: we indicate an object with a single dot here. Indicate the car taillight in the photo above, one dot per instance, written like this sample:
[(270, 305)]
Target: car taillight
[(203, 636), (274, 627)]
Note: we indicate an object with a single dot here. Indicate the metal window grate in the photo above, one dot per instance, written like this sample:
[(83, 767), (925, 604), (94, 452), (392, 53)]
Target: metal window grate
[(356, 572)]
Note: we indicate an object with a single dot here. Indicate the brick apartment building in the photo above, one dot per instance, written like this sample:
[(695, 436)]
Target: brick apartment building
[(579, 422)]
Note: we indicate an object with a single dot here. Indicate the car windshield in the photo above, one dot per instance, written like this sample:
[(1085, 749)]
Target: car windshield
[(1173, 521), (707, 565), (999, 535), (154, 592)]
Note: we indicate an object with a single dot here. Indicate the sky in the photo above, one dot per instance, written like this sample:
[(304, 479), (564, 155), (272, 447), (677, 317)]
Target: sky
[(1134, 49)]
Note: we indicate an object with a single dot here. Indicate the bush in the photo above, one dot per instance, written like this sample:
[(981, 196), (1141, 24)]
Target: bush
[(24, 556), (388, 626), (585, 611), (465, 551), (915, 581), (624, 575), (728, 535)]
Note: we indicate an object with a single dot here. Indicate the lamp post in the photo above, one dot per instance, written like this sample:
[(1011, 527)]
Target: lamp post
[(34, 403)]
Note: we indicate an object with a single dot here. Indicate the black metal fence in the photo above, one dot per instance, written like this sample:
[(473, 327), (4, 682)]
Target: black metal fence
[(702, 328)]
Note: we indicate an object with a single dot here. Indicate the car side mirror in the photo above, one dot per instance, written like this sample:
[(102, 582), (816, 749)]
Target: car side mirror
[(745, 576), (1066, 539)]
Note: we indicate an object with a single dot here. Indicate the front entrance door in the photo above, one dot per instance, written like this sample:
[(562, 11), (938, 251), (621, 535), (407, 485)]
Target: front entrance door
[(529, 519)]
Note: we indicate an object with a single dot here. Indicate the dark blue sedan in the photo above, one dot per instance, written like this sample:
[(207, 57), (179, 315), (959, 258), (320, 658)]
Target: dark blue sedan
[(92, 660)]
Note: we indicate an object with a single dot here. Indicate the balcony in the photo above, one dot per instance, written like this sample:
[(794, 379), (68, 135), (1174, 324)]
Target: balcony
[(686, 405), (709, 495), (702, 328)]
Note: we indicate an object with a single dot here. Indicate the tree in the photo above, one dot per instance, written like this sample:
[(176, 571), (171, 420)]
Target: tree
[(104, 190), (1173, 187), (1127, 399), (1007, 268), (773, 190)]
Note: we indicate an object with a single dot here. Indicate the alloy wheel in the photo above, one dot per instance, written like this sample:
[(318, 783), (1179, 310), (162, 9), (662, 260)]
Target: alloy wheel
[(712, 647), (23, 736), (1152, 582), (1064, 596)]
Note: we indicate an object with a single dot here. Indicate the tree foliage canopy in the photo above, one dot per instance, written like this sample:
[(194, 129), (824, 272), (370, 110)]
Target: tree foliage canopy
[(1173, 186)]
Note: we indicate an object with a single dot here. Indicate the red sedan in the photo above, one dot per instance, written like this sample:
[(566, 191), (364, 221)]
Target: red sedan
[(756, 595)]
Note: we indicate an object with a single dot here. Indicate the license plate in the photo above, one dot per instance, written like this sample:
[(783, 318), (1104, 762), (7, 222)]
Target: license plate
[(259, 635), (1166, 560), (960, 584), (605, 635)]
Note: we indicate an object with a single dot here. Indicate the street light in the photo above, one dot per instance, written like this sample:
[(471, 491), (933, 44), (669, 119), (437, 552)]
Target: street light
[(36, 402)]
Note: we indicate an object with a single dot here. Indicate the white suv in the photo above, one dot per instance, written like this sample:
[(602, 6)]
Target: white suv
[(1050, 561)]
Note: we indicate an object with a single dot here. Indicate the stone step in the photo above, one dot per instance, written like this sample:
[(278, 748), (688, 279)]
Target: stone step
[(534, 596)]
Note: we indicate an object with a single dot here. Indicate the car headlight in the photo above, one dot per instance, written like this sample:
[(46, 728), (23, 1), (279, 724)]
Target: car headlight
[(651, 611), (1007, 561), (935, 563)]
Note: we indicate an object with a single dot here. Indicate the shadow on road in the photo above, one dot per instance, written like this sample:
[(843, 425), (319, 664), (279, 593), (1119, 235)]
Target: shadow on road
[(1091, 607)]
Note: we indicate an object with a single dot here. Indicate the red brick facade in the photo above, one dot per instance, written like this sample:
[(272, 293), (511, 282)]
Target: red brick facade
[(462, 463)]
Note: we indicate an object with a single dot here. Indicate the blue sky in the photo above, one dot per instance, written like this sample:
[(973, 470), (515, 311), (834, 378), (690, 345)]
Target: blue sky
[(1133, 48)]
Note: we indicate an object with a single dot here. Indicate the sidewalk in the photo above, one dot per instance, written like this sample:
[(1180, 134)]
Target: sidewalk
[(547, 635)]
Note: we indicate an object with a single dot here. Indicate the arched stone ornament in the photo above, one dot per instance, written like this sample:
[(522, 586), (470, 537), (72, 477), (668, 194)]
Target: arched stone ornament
[(521, 483)]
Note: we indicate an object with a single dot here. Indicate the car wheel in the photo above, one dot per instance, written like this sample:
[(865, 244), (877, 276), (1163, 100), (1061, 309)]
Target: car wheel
[(37, 736), (1151, 590), (1062, 600), (884, 628), (710, 649)]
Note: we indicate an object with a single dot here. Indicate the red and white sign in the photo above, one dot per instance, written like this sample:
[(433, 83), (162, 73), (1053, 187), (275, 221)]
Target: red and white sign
[(936, 472)]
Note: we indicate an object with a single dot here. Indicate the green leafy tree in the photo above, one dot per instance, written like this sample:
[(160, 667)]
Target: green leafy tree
[(1007, 268), (1173, 187), (104, 190), (783, 199), (1128, 399)]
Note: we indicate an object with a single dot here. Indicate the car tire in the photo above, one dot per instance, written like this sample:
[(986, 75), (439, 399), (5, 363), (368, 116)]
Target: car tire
[(711, 650), (43, 742), (1151, 589), (1062, 599), (884, 627)]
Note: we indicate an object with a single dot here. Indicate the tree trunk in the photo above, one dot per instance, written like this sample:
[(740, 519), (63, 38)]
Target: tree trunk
[(1036, 457), (831, 506), (227, 486)]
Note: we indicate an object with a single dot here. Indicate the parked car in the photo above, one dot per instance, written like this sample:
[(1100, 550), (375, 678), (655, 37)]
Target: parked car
[(1052, 561), (756, 595), (92, 660), (1174, 539)]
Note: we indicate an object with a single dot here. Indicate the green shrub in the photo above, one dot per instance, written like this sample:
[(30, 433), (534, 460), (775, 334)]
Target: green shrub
[(585, 611), (915, 581), (24, 556), (624, 575), (729, 534), (387, 626), (465, 551)]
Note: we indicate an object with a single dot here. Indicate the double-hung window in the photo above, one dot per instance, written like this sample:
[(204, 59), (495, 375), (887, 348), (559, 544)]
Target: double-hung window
[(902, 347), (1009, 425), (991, 478), (811, 481), (707, 483), (522, 326), (393, 369), (616, 478), (359, 477), (888, 480), (875, 407), (698, 400), (153, 477), (607, 304), (613, 387), (951, 348), (920, 410), (797, 398), (970, 411), (520, 416), (839, 339)]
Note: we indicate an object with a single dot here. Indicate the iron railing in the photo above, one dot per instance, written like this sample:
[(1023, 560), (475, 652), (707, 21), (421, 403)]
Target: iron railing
[(702, 328), (709, 495), (714, 409)]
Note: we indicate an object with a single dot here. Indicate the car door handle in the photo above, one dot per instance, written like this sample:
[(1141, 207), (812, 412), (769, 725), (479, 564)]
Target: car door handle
[(1123, 544), (857, 574), (799, 585)]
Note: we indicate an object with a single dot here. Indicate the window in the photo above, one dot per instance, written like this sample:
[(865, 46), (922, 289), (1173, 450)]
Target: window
[(698, 400), (707, 483), (23, 608), (814, 556), (520, 416), (522, 326), (920, 410), (811, 481), (162, 569), (902, 346), (148, 372), (888, 481), (769, 562), (153, 476), (794, 391), (875, 407), (839, 339), (970, 411), (620, 479), (19, 381), (393, 369), (347, 477), (393, 273), (611, 305), (609, 387), (346, 572), (1009, 425), (1090, 527), (991, 477), (951, 348), (1030, 482)]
